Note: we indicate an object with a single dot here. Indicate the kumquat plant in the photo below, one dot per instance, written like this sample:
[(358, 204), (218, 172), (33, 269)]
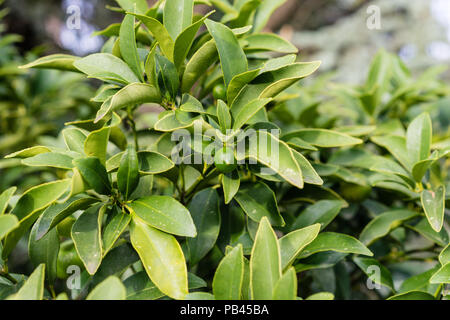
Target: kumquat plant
[(208, 171)]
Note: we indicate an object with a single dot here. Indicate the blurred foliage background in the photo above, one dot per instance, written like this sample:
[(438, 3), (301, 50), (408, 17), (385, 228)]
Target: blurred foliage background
[(334, 31)]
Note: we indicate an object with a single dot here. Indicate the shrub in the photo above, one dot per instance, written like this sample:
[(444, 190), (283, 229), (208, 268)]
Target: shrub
[(242, 182)]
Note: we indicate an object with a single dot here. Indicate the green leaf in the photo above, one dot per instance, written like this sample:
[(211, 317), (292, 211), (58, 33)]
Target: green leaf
[(396, 145), (106, 67), (308, 172), (39, 197), (55, 61), (33, 288), (202, 59), (294, 242), (162, 258), (224, 116), (230, 184), (74, 139), (265, 262), (281, 161), (420, 282), (248, 112), (238, 82), (273, 81), (128, 173), (29, 152), (412, 295), (50, 159), (199, 296), (185, 39), (227, 282), (132, 94), (8, 222), (323, 212), (110, 289), (418, 138), (57, 212), (168, 79), (384, 223), (258, 201), (433, 203), (268, 42), (424, 228), (128, 49), (164, 213), (44, 251), (114, 228), (130, 5), (330, 241), (94, 173), (264, 12), (160, 33), (376, 272), (204, 208), (324, 138), (444, 256), (5, 196), (96, 144), (153, 163), (321, 296), (286, 286), (442, 275), (178, 16), (86, 235), (29, 206), (232, 57)]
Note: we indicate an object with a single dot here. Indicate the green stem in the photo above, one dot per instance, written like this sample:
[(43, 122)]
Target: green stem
[(133, 128)]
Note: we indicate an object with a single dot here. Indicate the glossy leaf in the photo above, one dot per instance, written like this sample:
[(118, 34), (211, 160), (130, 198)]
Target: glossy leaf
[(114, 228), (268, 42), (5, 197), (265, 262), (128, 49), (44, 251), (294, 242), (330, 241), (286, 286), (230, 184), (106, 66), (418, 138), (86, 235), (54, 61), (110, 289), (94, 173), (164, 213), (442, 275), (382, 224), (227, 282), (232, 57), (128, 173), (204, 208), (162, 258), (178, 16), (433, 203), (58, 212), (160, 33), (8, 222), (33, 288), (323, 212), (258, 201)]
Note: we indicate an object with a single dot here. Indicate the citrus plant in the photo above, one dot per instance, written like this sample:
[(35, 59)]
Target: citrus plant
[(204, 175)]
